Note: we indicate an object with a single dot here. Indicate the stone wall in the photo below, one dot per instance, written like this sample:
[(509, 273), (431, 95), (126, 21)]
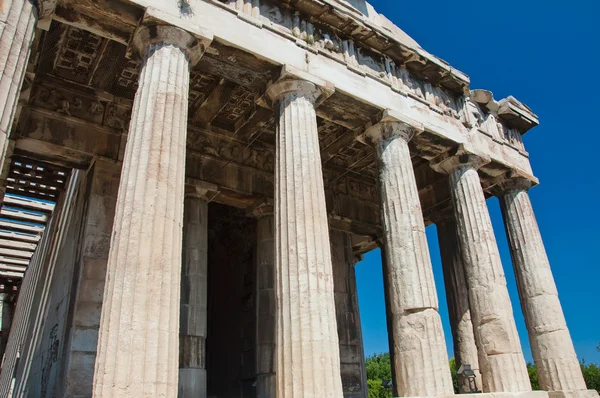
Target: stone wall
[(101, 197)]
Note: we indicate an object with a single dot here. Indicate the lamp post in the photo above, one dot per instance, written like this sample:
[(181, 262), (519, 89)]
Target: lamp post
[(468, 375)]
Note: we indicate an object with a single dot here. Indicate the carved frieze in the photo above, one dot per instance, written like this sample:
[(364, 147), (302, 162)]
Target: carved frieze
[(115, 113), (233, 151)]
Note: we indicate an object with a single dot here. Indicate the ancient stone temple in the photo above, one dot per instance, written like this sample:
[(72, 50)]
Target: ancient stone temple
[(188, 184)]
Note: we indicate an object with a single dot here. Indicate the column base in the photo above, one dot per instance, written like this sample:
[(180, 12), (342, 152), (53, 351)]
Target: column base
[(192, 383), (573, 394)]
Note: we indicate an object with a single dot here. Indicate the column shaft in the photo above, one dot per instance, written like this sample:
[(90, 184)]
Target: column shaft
[(139, 332), (501, 359), (194, 298), (265, 345), (307, 360), (419, 348), (551, 344), (17, 26), (465, 348), (352, 359)]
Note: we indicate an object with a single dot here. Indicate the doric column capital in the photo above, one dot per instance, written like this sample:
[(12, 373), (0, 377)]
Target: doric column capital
[(262, 209), (295, 82), (393, 125), (513, 182), (200, 189), (161, 28), (45, 8), (460, 158)]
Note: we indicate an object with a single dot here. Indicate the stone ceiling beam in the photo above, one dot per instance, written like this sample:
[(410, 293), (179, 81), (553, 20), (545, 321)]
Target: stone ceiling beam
[(214, 103), (260, 118)]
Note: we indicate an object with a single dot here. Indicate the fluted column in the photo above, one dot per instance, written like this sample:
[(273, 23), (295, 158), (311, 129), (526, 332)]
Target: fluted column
[(419, 349), (501, 359), (138, 348), (307, 359), (352, 358), (465, 348), (553, 352), (17, 25), (265, 344), (194, 297)]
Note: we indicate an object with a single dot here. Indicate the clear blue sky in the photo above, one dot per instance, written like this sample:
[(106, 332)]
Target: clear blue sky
[(546, 53)]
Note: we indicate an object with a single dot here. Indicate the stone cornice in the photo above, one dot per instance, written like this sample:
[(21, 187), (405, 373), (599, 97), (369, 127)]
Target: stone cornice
[(510, 110), (370, 34), (351, 24)]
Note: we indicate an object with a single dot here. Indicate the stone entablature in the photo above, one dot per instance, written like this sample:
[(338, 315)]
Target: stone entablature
[(374, 57), (346, 128)]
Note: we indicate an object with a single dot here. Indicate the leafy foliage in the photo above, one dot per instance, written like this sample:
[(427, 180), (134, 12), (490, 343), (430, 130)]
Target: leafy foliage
[(454, 374), (379, 368), (377, 390), (591, 375), (533, 376)]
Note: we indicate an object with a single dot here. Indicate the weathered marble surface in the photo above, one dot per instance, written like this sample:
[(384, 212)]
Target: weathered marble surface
[(194, 298), (138, 350), (419, 348), (553, 352), (501, 360), (465, 348), (17, 26), (307, 359)]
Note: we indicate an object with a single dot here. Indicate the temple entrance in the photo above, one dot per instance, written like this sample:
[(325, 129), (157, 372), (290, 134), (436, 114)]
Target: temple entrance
[(231, 338)]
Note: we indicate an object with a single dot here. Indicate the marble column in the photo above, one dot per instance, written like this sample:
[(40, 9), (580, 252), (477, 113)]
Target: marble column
[(307, 352), (352, 358), (553, 352), (419, 348), (501, 360), (194, 298), (17, 26), (265, 344), (138, 344), (465, 348)]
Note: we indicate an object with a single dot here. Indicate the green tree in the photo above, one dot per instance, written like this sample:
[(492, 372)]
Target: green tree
[(591, 375), (376, 389), (379, 368), (533, 376), (454, 374)]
